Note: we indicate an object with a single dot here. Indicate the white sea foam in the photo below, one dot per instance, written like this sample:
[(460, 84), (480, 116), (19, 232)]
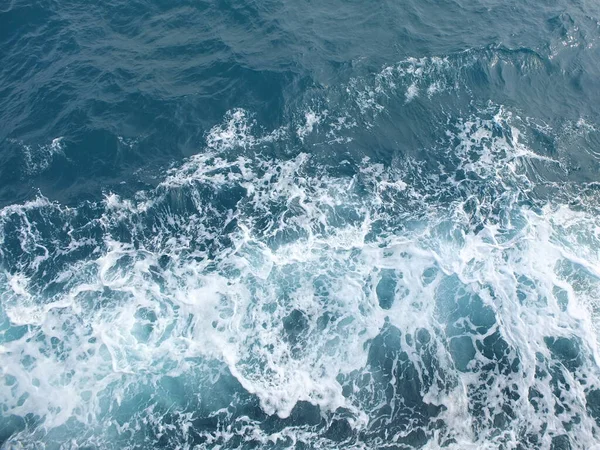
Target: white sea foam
[(275, 273), (312, 119), (411, 92), (37, 158)]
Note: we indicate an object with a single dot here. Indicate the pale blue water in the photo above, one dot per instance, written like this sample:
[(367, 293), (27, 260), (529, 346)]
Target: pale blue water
[(299, 225)]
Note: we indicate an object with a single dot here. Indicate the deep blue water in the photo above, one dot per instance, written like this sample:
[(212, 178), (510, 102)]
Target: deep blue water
[(299, 225)]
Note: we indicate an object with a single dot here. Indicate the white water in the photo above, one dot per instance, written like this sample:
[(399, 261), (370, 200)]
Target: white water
[(277, 272)]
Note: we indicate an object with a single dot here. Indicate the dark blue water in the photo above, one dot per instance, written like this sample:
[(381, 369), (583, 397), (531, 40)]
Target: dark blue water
[(299, 225)]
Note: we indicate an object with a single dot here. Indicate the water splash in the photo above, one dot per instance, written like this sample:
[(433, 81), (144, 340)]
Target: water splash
[(436, 301)]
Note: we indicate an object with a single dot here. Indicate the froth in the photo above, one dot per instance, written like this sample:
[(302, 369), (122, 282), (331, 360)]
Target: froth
[(438, 305)]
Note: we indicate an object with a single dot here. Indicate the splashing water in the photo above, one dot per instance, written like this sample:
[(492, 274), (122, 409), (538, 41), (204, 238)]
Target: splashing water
[(267, 296)]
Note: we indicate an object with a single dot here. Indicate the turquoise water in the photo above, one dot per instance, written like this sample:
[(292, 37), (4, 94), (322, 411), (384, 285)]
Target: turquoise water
[(295, 225)]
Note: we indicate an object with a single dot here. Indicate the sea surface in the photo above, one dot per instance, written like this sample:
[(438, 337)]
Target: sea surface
[(294, 224)]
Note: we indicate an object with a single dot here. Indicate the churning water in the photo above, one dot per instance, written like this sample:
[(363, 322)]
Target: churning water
[(299, 225)]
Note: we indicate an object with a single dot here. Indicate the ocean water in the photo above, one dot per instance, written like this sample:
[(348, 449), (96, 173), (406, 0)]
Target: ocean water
[(299, 225)]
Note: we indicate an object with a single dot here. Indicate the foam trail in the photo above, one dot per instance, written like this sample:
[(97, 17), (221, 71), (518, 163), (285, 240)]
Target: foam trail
[(284, 302)]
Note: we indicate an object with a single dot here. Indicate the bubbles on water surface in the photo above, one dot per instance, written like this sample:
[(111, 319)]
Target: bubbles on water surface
[(432, 301)]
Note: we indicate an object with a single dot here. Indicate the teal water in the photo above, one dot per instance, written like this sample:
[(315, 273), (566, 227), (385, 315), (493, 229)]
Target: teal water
[(299, 225)]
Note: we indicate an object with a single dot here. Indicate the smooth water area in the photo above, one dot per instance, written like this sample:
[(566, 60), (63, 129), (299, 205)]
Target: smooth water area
[(299, 225)]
